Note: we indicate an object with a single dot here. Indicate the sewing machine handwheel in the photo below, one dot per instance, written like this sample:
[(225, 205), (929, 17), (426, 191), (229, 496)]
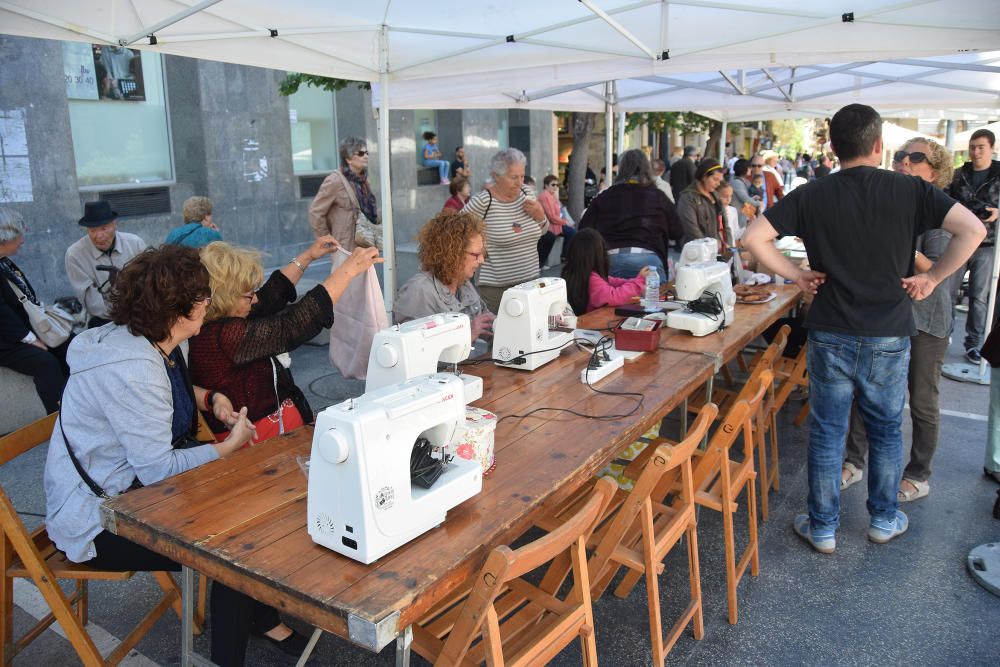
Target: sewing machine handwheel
[(386, 356), (333, 447), (515, 308)]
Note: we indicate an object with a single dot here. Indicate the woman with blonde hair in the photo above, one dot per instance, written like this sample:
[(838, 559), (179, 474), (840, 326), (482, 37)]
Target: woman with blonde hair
[(247, 329), (933, 316), (452, 248)]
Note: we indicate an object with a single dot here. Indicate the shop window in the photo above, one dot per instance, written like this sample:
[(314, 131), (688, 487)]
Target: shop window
[(312, 113), (118, 115)]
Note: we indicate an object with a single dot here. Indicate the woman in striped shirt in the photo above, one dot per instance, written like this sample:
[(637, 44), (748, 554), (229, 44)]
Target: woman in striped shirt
[(514, 222)]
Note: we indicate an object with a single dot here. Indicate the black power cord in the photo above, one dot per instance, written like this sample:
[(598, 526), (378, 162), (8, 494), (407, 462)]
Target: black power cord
[(709, 304), (600, 353)]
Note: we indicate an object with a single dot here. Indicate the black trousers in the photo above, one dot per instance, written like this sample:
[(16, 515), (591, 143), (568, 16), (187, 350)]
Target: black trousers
[(233, 614), (47, 368)]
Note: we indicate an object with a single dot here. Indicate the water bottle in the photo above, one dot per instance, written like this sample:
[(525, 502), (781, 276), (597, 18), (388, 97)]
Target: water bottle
[(652, 300)]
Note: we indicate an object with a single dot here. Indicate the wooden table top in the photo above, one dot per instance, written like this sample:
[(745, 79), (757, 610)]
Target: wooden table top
[(242, 520)]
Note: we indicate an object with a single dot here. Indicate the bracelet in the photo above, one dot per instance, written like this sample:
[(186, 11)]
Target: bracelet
[(209, 399), (296, 262)]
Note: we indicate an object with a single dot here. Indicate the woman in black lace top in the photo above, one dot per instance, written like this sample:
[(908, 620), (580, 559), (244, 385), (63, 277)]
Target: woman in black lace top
[(247, 329)]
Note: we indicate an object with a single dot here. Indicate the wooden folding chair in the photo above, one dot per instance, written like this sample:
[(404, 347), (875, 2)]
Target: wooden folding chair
[(33, 556), (790, 374), (718, 482), (765, 421), (511, 621), (638, 532)]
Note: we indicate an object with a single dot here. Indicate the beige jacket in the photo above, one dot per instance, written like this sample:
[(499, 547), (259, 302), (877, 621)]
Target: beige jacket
[(335, 210)]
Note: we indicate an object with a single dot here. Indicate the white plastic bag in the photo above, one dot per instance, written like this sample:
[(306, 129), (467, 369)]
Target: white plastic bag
[(357, 316)]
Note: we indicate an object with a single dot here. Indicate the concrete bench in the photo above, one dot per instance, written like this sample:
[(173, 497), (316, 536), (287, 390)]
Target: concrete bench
[(20, 402)]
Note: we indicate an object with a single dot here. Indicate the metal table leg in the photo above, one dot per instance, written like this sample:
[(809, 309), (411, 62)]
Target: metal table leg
[(684, 418), (188, 656), (403, 642), (309, 648), (708, 399)]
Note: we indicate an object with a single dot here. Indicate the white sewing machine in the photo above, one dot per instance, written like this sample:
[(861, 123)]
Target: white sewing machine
[(692, 281), (529, 330), (404, 351), (698, 251), (361, 502)]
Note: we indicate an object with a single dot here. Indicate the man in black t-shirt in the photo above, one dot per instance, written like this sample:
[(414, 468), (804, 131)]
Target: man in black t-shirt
[(860, 227), (977, 186), (458, 167)]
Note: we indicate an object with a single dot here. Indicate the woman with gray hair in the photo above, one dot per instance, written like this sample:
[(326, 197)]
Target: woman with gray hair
[(635, 218), (20, 348), (514, 223), (344, 196)]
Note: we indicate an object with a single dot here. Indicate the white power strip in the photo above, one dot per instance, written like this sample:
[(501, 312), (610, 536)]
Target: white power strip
[(595, 375)]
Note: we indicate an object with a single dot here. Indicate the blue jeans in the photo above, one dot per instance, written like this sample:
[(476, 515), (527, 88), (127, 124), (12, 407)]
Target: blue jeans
[(842, 367), (980, 266), (442, 165), (628, 265)]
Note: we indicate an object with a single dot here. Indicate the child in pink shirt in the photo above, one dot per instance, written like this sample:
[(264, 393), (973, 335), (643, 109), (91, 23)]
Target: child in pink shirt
[(588, 285)]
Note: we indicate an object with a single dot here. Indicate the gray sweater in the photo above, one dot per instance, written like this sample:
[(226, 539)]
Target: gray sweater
[(116, 410)]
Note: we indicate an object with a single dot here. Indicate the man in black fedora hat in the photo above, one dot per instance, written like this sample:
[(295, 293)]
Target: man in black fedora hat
[(93, 262)]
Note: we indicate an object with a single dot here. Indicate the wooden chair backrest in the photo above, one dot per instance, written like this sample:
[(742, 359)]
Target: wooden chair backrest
[(666, 458), (765, 361), (505, 564), (25, 438), (737, 420)]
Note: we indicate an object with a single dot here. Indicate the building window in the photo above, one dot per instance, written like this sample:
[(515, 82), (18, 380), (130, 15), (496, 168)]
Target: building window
[(118, 116), (311, 112)]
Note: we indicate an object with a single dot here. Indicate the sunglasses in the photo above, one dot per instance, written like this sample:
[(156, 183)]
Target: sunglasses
[(916, 157), (758, 166), (361, 153)]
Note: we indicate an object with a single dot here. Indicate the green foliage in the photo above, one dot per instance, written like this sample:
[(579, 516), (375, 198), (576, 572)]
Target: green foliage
[(290, 84), (686, 122)]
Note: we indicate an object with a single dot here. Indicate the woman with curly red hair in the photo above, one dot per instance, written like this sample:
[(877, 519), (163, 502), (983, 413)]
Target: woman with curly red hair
[(452, 248)]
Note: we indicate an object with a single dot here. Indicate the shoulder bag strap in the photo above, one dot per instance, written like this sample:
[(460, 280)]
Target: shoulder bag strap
[(187, 234), (350, 193), (98, 491)]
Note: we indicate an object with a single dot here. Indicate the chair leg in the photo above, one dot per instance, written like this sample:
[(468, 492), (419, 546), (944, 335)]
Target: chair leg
[(6, 603), (761, 439), (752, 520), (730, 538), (803, 413), (774, 481), (83, 601), (727, 375), (652, 586), (694, 574), (581, 591)]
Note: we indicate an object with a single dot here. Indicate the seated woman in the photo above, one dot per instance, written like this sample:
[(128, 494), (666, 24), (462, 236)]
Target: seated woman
[(460, 190), (20, 348), (125, 406), (247, 328), (452, 248), (198, 229), (558, 226), (588, 285), (432, 157)]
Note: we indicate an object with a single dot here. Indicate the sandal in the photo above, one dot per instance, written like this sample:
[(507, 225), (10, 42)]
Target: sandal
[(854, 475), (921, 489)]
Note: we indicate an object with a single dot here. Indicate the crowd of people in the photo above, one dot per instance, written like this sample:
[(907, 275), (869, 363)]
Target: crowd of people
[(192, 326)]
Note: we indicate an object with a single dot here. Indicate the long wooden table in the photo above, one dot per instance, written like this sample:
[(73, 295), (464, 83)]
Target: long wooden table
[(242, 520)]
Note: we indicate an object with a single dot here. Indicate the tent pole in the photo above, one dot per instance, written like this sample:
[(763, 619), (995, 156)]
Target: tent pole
[(722, 144), (385, 185), (621, 132), (991, 303), (609, 124)]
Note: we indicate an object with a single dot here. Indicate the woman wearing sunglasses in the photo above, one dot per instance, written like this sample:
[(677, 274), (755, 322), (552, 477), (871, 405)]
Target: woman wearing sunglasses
[(344, 196), (933, 317), (452, 248)]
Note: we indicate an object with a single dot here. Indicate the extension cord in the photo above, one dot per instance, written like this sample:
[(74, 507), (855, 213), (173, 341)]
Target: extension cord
[(594, 375)]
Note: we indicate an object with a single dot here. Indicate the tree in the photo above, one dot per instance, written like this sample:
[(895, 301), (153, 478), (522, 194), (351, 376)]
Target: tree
[(290, 84), (582, 127)]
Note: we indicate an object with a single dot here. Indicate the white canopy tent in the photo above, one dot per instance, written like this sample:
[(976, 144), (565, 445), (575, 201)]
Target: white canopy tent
[(519, 45), (961, 140)]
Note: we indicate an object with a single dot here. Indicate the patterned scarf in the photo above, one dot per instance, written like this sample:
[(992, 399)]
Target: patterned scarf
[(10, 272), (366, 200)]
